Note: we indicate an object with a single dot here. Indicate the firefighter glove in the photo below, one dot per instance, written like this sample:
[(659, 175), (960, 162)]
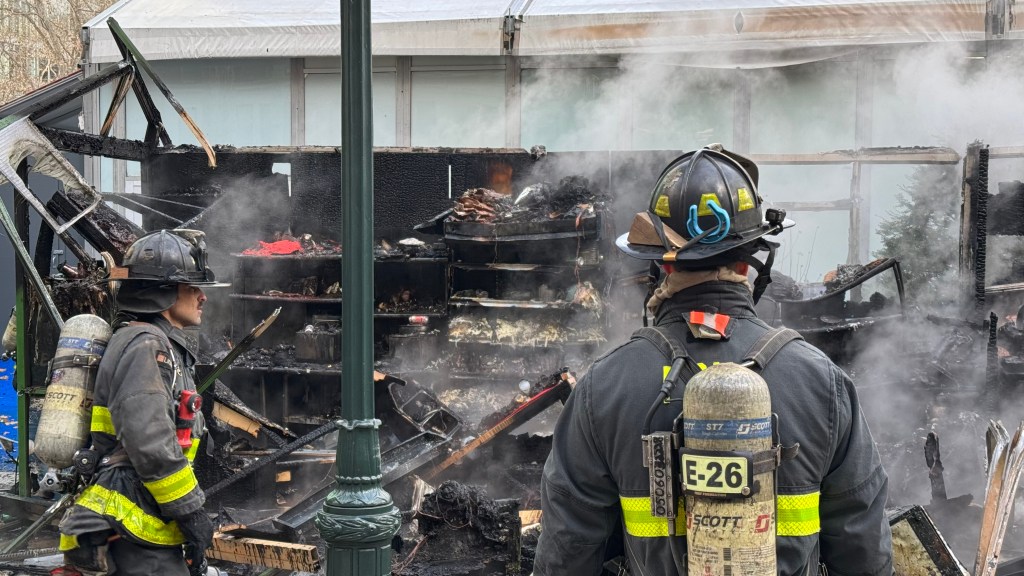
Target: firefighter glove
[(198, 532)]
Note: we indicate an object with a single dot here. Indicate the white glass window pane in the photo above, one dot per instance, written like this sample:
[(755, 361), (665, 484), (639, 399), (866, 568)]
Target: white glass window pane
[(323, 109), (817, 244), (106, 175), (572, 109), (458, 108), (106, 180), (806, 183), (242, 102), (820, 240), (801, 109), (676, 108)]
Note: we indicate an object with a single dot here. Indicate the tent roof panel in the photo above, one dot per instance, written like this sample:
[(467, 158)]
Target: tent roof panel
[(178, 29)]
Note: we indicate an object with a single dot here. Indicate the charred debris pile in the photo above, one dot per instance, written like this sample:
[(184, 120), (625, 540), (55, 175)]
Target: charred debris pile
[(480, 327), (482, 315)]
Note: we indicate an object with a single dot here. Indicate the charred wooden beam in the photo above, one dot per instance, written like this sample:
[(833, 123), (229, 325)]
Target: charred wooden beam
[(104, 228), (83, 86), (105, 146), (969, 223)]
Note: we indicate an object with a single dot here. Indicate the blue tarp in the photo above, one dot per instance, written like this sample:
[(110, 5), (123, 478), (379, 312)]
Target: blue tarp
[(8, 410)]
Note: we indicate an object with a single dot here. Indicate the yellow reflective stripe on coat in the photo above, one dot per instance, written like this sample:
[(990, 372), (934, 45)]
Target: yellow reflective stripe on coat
[(101, 421), (170, 488), (797, 515), (68, 542), (192, 450), (636, 512), (117, 506)]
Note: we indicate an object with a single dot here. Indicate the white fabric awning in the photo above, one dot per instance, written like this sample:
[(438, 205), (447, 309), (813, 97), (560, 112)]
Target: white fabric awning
[(185, 29)]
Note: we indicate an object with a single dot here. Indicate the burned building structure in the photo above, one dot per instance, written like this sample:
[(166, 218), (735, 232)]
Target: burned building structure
[(495, 281)]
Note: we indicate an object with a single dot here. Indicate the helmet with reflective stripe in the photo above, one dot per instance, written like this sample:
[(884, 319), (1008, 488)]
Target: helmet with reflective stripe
[(705, 211), (155, 264)]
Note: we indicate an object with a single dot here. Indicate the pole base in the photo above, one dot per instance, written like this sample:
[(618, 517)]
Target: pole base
[(358, 539)]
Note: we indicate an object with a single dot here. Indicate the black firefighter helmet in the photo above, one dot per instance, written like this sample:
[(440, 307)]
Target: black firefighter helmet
[(155, 264), (704, 212)]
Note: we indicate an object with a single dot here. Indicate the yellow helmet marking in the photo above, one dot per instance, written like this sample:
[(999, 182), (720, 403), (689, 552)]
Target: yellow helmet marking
[(661, 207), (746, 199), (702, 208)]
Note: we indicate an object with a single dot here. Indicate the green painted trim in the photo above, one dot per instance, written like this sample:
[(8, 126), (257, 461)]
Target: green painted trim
[(21, 366)]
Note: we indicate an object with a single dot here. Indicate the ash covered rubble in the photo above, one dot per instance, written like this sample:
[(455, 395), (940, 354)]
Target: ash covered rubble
[(572, 197), (925, 379)]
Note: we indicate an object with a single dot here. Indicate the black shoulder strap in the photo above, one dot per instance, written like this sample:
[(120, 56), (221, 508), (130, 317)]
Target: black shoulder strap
[(670, 347), (768, 345), (759, 355)]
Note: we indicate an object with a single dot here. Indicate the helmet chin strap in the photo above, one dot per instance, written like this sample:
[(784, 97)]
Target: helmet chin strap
[(656, 274), (764, 269)]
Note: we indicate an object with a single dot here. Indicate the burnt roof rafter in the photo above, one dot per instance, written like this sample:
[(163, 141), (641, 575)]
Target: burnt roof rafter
[(127, 76)]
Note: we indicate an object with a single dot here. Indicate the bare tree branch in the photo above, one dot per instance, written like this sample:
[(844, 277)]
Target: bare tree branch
[(39, 41)]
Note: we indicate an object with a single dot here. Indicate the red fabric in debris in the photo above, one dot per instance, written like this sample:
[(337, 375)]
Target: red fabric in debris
[(274, 248)]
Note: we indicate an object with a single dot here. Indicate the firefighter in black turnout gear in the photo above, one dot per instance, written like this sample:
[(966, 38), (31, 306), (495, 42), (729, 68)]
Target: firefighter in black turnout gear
[(703, 227), (142, 512)]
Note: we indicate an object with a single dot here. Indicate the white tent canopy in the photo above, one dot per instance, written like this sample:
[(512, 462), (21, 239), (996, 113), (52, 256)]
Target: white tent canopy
[(183, 29)]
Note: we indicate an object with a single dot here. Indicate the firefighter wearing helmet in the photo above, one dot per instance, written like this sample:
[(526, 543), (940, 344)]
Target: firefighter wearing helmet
[(142, 512), (704, 225)]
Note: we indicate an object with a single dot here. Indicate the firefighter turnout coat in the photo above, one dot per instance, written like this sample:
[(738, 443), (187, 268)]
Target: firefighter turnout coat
[(144, 478), (831, 497)]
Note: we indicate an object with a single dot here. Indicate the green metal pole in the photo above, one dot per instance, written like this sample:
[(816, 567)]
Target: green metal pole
[(359, 518), (21, 368)]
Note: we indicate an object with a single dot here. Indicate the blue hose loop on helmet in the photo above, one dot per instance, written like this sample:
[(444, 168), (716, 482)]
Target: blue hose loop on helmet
[(724, 223)]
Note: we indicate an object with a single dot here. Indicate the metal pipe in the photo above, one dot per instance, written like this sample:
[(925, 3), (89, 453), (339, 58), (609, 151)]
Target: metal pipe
[(21, 326), (359, 499)]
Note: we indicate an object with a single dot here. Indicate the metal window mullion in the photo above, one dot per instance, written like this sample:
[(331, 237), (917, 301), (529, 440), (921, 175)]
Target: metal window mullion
[(860, 195), (91, 167), (536, 62), (741, 113), (403, 102), (376, 69), (120, 167), (457, 67), (297, 84), (513, 102)]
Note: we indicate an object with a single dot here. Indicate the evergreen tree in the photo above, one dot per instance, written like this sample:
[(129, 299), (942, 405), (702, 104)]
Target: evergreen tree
[(923, 233)]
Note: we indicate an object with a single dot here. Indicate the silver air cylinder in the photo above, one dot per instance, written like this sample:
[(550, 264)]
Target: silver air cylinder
[(730, 512), (67, 408)]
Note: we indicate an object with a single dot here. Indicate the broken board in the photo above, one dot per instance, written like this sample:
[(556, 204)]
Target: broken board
[(282, 555)]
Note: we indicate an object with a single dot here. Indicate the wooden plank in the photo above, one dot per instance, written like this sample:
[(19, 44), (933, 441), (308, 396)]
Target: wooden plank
[(914, 155), (528, 517), (821, 206), (1005, 152), (235, 419), (258, 552), (1004, 288), (284, 476)]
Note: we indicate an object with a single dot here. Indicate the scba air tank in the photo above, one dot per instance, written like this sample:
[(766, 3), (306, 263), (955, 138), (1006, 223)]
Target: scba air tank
[(67, 408), (730, 510)]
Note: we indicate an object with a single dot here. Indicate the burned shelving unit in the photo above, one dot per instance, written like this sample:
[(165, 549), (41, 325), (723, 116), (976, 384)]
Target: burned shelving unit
[(527, 282)]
